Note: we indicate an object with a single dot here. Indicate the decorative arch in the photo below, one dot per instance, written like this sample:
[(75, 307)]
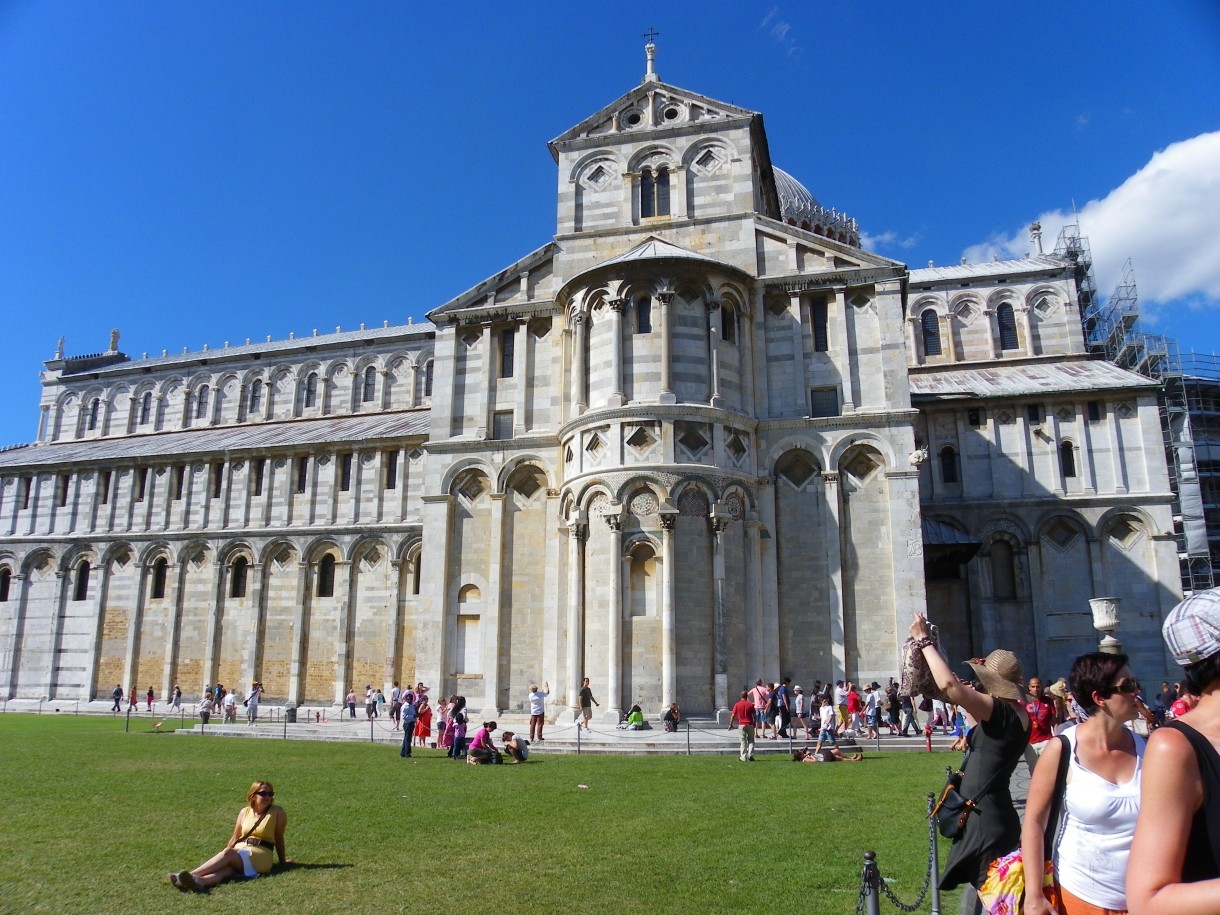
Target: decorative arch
[(463, 467), (857, 439), (519, 462), (798, 467), (585, 165)]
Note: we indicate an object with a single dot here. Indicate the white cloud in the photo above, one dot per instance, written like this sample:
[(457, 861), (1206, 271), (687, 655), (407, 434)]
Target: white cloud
[(887, 240), (1165, 217)]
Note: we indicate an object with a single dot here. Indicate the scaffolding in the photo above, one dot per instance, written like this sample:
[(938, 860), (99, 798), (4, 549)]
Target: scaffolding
[(1189, 406)]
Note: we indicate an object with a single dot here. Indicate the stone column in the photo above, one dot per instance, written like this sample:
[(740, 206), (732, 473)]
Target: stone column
[(295, 674), (578, 532), (754, 593), (846, 354), (134, 624), (950, 344), (1028, 328), (719, 636), (669, 646), (666, 298), (1086, 465), (254, 578), (492, 642), (432, 662), (580, 401), (522, 372), (175, 625), (993, 333), (617, 398), (345, 584), (759, 401), (1116, 453), (713, 347), (766, 619), (799, 383), (834, 563), (485, 395), (614, 666), (416, 393)]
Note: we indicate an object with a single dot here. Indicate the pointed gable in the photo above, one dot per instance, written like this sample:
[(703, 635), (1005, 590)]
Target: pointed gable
[(522, 288), (651, 107)]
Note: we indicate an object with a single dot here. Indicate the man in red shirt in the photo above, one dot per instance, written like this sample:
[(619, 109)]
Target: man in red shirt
[(1041, 722), (743, 717), (855, 705)]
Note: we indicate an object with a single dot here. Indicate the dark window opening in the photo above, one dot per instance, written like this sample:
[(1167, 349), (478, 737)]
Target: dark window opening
[(23, 492), (93, 408), (415, 575), (80, 587), (391, 469), (218, 478), (823, 402), (428, 378), (643, 315), (302, 473), (311, 390), (1007, 322), (654, 192), (819, 313), (1003, 571), (508, 348), (201, 403), (141, 483), (62, 484), (103, 487), (145, 408), (974, 418), (237, 577), (728, 324), (931, 333), (502, 425), (369, 391), (326, 576), (949, 467), (1067, 459), (1094, 411), (1034, 413), (256, 478), (157, 591), (345, 472), (178, 481), (6, 578), (256, 396)]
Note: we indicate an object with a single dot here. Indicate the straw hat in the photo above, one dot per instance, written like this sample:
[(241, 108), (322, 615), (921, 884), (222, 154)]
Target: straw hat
[(1059, 689), (1000, 673)]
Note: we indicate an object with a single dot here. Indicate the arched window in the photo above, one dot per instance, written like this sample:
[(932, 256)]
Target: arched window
[(6, 578), (157, 588), (311, 390), (428, 378), (1067, 459), (370, 385), (931, 332), (326, 576), (237, 577), (949, 468), (93, 408), (201, 402), (643, 315), (728, 324), (654, 192), (145, 408), (256, 396), (80, 586), (1007, 322), (1003, 572)]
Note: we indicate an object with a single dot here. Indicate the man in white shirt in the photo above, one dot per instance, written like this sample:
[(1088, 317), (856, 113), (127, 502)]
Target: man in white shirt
[(537, 699)]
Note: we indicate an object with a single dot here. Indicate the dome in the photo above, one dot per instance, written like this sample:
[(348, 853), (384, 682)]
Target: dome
[(796, 204)]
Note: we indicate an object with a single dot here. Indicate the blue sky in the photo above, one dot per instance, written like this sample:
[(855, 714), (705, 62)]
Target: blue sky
[(200, 173)]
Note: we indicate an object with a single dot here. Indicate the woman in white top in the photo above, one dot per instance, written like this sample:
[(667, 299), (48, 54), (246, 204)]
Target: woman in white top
[(1101, 802)]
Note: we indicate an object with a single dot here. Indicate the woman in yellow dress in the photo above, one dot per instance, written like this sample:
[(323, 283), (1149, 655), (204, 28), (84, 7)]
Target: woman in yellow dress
[(259, 829)]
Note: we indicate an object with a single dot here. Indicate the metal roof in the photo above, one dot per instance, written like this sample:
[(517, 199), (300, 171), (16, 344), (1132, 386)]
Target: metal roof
[(1039, 264), (1025, 379), (249, 437), (655, 248)]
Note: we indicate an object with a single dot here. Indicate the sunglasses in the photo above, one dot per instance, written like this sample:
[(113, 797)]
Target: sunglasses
[(1127, 686), (265, 793)]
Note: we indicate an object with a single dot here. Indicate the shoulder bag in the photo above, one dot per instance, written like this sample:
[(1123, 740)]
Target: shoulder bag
[(953, 811)]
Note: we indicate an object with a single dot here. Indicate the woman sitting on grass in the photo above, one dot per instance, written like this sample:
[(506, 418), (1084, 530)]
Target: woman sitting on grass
[(259, 827)]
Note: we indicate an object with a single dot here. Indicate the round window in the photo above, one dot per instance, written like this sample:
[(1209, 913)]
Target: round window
[(672, 113), (632, 119)]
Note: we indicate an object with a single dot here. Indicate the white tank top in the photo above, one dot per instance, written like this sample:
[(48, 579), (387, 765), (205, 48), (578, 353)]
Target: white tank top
[(1099, 821)]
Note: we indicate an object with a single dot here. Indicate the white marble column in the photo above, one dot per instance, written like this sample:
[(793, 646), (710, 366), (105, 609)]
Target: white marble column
[(799, 402), (993, 333), (211, 648), (1028, 328), (522, 372), (134, 623), (436, 624), (754, 595), (578, 532), (491, 623), (617, 398), (485, 396), (846, 354), (669, 643), (580, 401), (175, 625), (719, 636), (614, 638), (255, 583), (295, 672), (834, 563), (713, 351), (666, 299)]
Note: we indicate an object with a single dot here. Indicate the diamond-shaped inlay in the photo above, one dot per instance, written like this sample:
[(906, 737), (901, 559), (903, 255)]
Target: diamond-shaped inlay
[(796, 468), (1124, 532), (598, 177), (1125, 410), (862, 465), (595, 445), (471, 488), (641, 439), (1061, 533), (1045, 306), (1065, 414), (966, 312), (415, 454), (859, 300), (693, 441), (735, 447), (1004, 418)]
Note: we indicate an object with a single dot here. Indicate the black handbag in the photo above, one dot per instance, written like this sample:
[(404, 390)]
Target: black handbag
[(952, 811)]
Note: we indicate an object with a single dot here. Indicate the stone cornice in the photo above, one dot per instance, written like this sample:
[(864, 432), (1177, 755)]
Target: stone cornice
[(857, 276), (854, 420), (215, 536), (486, 314), (651, 411), (467, 446), (1104, 501)]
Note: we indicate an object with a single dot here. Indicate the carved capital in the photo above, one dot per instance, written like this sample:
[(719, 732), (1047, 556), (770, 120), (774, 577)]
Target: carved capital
[(614, 522), (617, 305), (830, 477), (667, 521), (665, 297)]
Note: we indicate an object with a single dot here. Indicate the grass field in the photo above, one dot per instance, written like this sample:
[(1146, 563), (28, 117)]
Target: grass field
[(93, 819)]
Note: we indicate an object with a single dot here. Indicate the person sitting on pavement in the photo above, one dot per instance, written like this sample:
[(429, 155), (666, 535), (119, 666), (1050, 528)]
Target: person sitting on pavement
[(635, 720), (672, 717)]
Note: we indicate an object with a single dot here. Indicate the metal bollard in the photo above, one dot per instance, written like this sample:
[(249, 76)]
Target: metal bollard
[(578, 740), (371, 731), (688, 738), (870, 889), (127, 723)]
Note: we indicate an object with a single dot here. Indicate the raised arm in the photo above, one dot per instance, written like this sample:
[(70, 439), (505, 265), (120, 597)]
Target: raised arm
[(1170, 793), (978, 705), (281, 823)]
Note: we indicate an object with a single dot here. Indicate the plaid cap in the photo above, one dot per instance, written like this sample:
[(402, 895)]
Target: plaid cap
[(1192, 629)]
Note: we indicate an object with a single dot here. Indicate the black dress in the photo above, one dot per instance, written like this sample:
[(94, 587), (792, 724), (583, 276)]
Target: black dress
[(1203, 848), (994, 829)]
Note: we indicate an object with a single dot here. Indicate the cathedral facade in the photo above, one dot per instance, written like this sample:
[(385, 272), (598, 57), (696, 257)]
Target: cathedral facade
[(700, 436)]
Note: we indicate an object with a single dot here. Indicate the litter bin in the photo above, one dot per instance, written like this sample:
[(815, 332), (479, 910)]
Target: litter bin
[(290, 714)]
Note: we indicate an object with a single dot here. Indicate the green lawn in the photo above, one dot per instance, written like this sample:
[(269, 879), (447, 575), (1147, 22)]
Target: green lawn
[(93, 819)]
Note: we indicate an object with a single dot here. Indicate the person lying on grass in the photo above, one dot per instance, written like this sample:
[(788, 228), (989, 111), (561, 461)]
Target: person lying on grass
[(260, 826), (827, 754)]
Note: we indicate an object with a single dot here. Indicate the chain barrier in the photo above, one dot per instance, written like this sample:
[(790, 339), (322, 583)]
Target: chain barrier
[(873, 886)]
